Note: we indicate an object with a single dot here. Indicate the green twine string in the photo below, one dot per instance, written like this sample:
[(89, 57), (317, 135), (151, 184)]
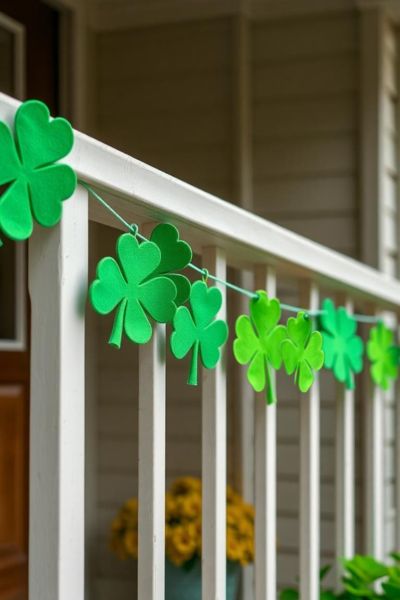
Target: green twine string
[(133, 228)]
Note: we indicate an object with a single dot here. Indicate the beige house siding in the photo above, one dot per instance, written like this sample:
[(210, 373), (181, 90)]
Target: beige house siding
[(164, 95)]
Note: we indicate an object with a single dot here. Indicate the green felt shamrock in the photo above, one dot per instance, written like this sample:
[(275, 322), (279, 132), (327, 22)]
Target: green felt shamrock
[(302, 351), (199, 330), (383, 354), (37, 184), (175, 255), (134, 288), (258, 342), (342, 347)]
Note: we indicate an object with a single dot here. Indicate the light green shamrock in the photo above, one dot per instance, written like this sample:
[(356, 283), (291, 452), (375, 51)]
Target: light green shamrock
[(302, 351), (383, 354), (197, 330), (134, 288), (342, 347), (37, 184), (258, 342)]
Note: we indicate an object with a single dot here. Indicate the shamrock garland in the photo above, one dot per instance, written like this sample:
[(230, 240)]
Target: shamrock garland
[(37, 183), (145, 281), (383, 354), (258, 342), (198, 330), (302, 351), (342, 347)]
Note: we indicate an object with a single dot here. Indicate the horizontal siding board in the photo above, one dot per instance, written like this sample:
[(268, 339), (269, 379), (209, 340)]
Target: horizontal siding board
[(293, 117), (329, 155), (293, 39), (305, 79)]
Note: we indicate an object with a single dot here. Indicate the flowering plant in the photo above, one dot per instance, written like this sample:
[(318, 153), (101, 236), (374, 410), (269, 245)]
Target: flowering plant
[(183, 525)]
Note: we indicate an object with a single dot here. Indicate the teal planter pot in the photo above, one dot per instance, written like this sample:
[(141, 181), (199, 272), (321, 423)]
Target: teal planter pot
[(185, 583)]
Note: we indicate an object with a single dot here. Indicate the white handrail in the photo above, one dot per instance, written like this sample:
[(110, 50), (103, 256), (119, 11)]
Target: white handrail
[(141, 192)]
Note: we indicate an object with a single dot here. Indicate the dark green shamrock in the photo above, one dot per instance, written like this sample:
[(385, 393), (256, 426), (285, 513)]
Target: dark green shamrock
[(258, 342), (197, 330), (383, 354), (134, 288), (37, 184), (302, 351), (342, 347), (175, 256)]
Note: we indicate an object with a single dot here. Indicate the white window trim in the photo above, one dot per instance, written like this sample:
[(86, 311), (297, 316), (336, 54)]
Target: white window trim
[(18, 344)]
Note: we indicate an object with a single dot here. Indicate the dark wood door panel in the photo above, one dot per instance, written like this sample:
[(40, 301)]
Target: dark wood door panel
[(13, 490)]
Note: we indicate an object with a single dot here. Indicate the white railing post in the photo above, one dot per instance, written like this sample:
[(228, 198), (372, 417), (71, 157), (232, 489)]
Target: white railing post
[(374, 466), (265, 474), (309, 476), (345, 472), (58, 262), (214, 459), (152, 394), (397, 454)]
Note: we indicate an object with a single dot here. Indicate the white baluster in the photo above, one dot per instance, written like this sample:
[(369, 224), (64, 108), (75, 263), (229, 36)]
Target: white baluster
[(58, 263), (309, 476), (214, 459), (265, 475)]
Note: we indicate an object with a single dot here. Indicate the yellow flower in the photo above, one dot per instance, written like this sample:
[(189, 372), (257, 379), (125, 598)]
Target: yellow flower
[(181, 543), (131, 543), (185, 485)]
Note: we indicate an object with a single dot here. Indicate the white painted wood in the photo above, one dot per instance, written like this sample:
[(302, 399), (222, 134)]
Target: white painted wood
[(309, 476), (345, 473), (214, 459), (151, 471), (58, 260), (265, 475), (141, 190), (374, 469), (396, 420)]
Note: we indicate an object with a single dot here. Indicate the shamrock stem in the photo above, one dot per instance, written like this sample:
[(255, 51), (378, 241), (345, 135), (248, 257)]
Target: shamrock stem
[(118, 327), (193, 380), (271, 396)]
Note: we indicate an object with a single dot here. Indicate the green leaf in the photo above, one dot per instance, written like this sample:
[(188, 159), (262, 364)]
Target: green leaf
[(289, 594), (131, 284), (258, 342), (38, 184), (302, 351), (343, 349), (197, 329)]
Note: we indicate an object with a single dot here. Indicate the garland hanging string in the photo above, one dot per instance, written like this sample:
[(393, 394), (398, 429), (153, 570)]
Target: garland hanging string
[(133, 228)]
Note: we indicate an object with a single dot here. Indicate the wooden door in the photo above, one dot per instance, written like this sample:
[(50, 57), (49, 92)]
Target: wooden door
[(14, 418), (28, 68)]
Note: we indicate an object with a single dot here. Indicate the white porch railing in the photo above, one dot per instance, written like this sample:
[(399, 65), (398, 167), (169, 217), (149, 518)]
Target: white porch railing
[(224, 235)]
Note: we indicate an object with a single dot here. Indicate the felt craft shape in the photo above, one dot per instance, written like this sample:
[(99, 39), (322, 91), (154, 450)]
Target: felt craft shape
[(258, 342), (37, 183), (302, 351), (342, 347), (198, 330), (175, 256), (132, 286), (383, 354)]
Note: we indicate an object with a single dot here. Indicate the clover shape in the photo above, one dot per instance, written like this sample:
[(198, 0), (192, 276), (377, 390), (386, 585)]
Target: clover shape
[(302, 351), (37, 184), (343, 349), (134, 288), (383, 354), (258, 342), (175, 256), (198, 330)]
